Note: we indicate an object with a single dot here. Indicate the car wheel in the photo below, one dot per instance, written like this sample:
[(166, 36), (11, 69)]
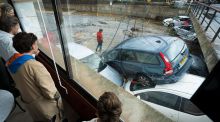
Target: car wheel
[(145, 80)]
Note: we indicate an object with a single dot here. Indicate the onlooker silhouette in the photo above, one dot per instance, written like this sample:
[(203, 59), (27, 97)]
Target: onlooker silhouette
[(6, 10), (9, 26), (34, 82), (108, 108)]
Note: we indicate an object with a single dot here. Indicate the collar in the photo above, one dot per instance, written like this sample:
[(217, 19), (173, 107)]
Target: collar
[(6, 33), (17, 60)]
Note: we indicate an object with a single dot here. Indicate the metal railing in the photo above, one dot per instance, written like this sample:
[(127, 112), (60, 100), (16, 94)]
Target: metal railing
[(209, 18)]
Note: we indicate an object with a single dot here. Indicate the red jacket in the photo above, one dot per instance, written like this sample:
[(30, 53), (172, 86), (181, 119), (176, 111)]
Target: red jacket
[(99, 37)]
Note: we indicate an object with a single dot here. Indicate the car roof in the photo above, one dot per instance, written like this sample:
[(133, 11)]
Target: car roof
[(185, 87), (78, 51), (153, 44)]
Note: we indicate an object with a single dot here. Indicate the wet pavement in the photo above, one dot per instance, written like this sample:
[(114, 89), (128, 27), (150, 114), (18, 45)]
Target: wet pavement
[(115, 29)]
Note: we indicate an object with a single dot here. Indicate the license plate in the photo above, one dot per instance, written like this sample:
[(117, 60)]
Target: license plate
[(183, 61)]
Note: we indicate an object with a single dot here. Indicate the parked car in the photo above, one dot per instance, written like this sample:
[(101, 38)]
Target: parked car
[(186, 32), (172, 100), (179, 3), (176, 21), (91, 59), (198, 67), (150, 59)]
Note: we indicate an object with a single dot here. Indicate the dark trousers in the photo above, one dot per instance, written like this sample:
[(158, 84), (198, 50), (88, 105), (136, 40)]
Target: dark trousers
[(6, 82), (4, 79), (99, 46)]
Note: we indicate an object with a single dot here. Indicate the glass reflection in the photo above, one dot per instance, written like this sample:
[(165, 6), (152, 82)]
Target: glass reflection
[(37, 17)]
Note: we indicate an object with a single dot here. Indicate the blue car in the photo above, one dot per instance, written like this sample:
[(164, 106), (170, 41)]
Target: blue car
[(150, 60)]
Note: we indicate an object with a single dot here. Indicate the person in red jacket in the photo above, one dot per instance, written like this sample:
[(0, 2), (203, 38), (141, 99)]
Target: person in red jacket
[(99, 40)]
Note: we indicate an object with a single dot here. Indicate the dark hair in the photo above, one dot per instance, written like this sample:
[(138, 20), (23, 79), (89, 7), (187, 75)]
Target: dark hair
[(5, 8), (109, 108), (100, 30), (22, 42), (7, 23)]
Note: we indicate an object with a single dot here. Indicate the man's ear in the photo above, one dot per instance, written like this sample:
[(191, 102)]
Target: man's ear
[(33, 46)]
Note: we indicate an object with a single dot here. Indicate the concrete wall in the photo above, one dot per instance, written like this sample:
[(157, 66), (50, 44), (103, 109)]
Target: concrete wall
[(149, 11), (208, 51)]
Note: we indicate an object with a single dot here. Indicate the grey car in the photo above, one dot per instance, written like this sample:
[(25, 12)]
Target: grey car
[(150, 60), (186, 33)]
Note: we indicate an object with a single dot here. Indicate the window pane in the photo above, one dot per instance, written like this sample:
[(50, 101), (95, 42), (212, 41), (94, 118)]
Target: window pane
[(127, 55), (79, 31), (146, 58), (36, 18), (112, 55), (174, 49), (161, 98), (79, 21), (188, 107)]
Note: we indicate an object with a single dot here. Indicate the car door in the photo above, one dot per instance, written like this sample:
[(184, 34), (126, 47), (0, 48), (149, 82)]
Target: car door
[(112, 59), (129, 62), (166, 103), (149, 63)]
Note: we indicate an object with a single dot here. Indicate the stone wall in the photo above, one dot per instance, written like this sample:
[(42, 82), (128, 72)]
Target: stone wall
[(208, 51), (149, 11)]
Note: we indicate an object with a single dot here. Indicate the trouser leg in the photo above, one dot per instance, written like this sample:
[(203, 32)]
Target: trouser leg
[(4, 80), (97, 47), (100, 45)]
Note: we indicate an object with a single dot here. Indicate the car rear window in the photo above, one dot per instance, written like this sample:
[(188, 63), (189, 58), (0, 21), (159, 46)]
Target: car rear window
[(174, 49)]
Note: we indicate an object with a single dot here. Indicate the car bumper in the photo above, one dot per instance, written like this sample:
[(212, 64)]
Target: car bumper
[(175, 77)]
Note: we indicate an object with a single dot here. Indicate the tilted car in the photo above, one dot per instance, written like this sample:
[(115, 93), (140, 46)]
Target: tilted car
[(91, 59), (186, 32), (172, 100), (177, 21), (150, 59)]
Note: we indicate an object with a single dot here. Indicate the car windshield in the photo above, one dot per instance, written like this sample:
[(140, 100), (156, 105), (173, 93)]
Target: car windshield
[(94, 62), (174, 50)]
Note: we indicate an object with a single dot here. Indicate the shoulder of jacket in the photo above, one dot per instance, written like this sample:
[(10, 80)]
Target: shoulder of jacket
[(33, 63)]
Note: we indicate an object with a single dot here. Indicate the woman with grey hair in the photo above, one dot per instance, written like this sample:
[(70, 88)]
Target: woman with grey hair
[(6, 10)]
